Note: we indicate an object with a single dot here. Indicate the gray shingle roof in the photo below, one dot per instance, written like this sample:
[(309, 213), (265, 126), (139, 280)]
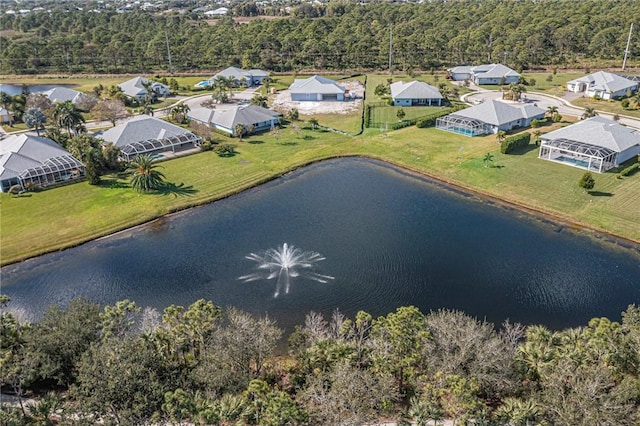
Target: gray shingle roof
[(498, 113), (135, 86), (21, 152), (605, 81), (63, 94), (493, 71), (414, 90), (316, 84), (239, 73), (245, 114), (140, 128), (598, 131)]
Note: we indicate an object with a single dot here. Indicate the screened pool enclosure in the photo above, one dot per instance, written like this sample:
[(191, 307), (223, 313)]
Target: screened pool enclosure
[(150, 146), (578, 154), (462, 125), (52, 171)]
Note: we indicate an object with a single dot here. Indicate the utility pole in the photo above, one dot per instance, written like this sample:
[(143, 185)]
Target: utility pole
[(166, 39), (390, 49), (626, 51)]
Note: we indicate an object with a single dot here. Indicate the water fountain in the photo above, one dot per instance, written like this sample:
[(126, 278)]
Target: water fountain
[(284, 263)]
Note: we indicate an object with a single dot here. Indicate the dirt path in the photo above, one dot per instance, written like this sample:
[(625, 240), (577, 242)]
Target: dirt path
[(282, 102)]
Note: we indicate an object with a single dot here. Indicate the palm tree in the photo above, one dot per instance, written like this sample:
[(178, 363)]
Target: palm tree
[(488, 159), (5, 102), (34, 118), (179, 112), (240, 130), (259, 100), (145, 176), (314, 123), (66, 115), (501, 136), (516, 90), (147, 109), (550, 111), (588, 113)]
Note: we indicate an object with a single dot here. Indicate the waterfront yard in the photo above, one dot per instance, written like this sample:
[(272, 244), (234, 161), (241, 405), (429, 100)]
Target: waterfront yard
[(68, 215)]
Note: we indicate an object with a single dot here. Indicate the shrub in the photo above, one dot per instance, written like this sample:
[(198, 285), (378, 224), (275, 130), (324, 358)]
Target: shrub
[(225, 150), (587, 181), (367, 115), (532, 82), (625, 103), (206, 146), (537, 123), (514, 142), (556, 118), (629, 170)]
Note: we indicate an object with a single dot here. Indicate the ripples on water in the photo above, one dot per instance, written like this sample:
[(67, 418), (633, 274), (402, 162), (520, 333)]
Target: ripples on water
[(389, 238)]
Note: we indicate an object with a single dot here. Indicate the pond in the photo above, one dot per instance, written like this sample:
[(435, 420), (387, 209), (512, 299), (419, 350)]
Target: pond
[(359, 235)]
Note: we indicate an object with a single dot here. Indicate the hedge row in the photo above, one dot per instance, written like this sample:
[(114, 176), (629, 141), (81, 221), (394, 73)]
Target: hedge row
[(514, 142), (627, 171)]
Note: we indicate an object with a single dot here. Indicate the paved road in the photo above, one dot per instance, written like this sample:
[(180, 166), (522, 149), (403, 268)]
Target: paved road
[(544, 101)]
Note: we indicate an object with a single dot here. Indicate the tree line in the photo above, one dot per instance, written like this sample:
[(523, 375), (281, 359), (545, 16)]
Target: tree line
[(335, 36), (129, 366)]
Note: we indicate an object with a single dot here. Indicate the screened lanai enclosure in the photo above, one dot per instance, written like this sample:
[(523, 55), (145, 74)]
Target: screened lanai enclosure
[(151, 146), (462, 125), (53, 171), (578, 154)]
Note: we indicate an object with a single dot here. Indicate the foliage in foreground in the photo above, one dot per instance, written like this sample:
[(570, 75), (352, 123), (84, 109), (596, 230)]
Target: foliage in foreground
[(212, 366)]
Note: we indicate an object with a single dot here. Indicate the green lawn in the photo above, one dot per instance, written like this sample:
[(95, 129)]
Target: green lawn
[(611, 106), (68, 215), (388, 114)]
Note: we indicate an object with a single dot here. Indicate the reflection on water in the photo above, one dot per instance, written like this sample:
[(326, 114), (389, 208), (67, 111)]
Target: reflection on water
[(389, 238)]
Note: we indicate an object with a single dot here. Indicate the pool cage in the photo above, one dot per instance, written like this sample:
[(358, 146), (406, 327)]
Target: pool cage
[(462, 125), (53, 171), (578, 154), (149, 146)]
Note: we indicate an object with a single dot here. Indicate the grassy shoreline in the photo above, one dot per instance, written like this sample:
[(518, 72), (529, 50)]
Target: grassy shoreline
[(68, 216)]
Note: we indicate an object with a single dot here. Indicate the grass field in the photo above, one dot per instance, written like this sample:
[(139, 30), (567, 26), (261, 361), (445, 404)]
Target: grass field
[(388, 114), (68, 215)]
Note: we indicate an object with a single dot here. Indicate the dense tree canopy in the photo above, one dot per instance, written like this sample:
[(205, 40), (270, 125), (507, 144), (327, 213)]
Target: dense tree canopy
[(339, 35), (209, 365)]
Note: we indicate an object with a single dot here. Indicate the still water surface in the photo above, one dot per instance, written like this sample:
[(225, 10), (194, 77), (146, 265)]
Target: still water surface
[(389, 238)]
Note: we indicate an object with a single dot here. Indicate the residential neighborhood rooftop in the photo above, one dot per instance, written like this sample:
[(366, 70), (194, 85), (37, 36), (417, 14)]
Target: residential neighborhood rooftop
[(598, 131), (316, 84)]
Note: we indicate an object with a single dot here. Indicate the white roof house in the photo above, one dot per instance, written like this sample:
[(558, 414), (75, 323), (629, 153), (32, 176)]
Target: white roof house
[(134, 88), (26, 159), (221, 11), (604, 85), (595, 144), (316, 88), (485, 74), (63, 94), (247, 115), (143, 134), (414, 93), (490, 117), (239, 76)]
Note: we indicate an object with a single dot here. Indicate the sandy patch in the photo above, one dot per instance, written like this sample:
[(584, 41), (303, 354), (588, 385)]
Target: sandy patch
[(282, 102)]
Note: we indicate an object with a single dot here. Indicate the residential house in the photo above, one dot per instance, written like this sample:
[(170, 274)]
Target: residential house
[(27, 160), (415, 93), (6, 116), (316, 88), (252, 117), (63, 94), (485, 74), (143, 134), (241, 77), (221, 11), (135, 88), (603, 85), (490, 117), (595, 144)]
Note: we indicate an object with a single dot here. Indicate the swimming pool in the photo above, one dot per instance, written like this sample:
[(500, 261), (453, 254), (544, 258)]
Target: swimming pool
[(204, 83), (573, 161)]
